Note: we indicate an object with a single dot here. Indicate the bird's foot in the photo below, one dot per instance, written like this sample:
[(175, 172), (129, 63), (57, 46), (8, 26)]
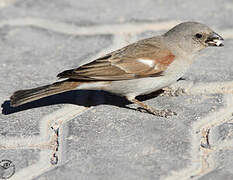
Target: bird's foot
[(168, 91), (160, 113), (143, 107)]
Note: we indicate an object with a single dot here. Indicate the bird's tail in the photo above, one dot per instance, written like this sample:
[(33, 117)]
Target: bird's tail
[(24, 96)]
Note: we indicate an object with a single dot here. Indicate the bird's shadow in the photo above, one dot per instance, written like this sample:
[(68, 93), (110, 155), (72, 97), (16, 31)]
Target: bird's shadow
[(85, 98)]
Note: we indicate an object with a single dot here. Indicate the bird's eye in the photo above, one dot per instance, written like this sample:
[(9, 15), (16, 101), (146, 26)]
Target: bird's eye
[(198, 35)]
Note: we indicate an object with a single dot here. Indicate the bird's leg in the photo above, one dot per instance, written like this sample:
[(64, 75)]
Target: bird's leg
[(149, 109)]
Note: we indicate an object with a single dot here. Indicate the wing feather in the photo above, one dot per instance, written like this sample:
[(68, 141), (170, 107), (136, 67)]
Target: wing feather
[(124, 63)]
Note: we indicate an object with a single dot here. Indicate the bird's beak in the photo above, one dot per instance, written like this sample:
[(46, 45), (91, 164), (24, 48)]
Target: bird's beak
[(214, 40)]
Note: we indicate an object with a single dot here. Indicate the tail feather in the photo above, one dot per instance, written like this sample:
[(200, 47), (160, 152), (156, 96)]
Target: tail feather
[(24, 96)]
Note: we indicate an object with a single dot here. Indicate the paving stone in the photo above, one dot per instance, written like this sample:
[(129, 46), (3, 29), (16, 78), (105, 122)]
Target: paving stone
[(91, 12), (109, 142)]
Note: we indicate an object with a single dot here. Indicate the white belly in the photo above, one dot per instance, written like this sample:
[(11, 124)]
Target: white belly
[(139, 86)]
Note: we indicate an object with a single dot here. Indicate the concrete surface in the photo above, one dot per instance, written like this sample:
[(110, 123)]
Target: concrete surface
[(95, 135)]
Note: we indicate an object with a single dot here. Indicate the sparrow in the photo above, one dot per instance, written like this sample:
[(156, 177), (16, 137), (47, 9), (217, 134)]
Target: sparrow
[(136, 69)]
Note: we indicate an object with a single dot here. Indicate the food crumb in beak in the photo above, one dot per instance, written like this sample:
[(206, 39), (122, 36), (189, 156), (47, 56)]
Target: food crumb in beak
[(218, 42)]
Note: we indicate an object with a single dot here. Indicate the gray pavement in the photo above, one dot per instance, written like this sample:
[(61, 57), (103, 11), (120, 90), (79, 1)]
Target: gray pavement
[(94, 135)]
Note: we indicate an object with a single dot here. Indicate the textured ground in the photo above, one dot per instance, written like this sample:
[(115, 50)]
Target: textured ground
[(58, 138)]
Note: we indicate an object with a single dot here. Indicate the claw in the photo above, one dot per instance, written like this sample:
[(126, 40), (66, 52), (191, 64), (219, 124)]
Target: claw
[(161, 113)]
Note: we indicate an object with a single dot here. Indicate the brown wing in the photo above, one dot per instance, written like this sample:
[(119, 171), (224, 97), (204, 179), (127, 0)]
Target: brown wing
[(145, 58)]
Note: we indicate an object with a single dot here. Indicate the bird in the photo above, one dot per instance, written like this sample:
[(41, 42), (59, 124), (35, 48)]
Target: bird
[(139, 68)]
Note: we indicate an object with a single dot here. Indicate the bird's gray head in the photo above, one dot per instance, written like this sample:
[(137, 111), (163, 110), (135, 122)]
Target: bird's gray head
[(192, 37)]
